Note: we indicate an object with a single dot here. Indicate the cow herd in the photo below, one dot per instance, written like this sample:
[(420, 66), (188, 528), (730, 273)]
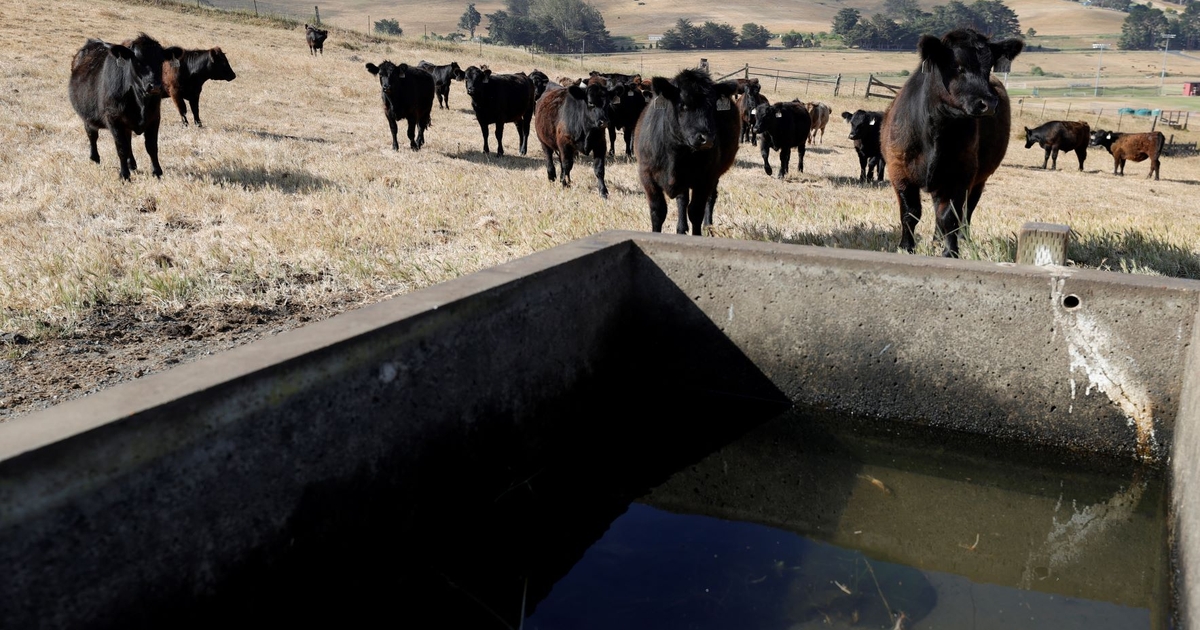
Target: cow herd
[(945, 133)]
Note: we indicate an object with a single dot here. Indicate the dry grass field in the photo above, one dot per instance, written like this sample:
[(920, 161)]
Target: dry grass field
[(290, 206)]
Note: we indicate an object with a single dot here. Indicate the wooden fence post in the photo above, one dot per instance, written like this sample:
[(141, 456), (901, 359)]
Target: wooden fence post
[(854, 88), (746, 69), (316, 11), (807, 82), (1043, 109), (870, 79), (1119, 117), (837, 85), (1021, 108), (776, 80), (1068, 111), (255, 8)]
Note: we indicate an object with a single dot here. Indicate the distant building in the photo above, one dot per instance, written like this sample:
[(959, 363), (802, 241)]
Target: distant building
[(1191, 88)]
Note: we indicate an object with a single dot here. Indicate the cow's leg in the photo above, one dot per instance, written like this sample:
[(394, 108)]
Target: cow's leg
[(765, 150), (598, 169), (862, 167), (951, 216), (123, 140), (421, 127), (152, 148), (973, 201), (523, 129), (500, 138), (697, 207), (612, 141), (395, 130), (1081, 153), (180, 105), (785, 156), (909, 198), (549, 151), (1046, 160), (567, 151), (195, 103), (880, 164), (629, 140), (1116, 165), (658, 206), (681, 207), (1054, 160), (412, 134), (93, 134), (708, 207), (1153, 167), (800, 158), (484, 129)]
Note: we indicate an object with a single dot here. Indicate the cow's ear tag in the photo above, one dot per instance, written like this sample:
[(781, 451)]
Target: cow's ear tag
[(660, 103), (722, 104), (1109, 136), (629, 93), (779, 114), (616, 100), (485, 79), (872, 121)]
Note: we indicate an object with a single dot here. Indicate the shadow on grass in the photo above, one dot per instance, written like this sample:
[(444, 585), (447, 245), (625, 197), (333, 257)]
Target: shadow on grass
[(267, 135), (257, 178), (1133, 251), (534, 160), (1026, 167), (841, 180)]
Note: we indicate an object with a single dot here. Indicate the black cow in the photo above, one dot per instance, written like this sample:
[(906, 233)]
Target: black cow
[(315, 38), (1060, 135), (685, 140), (185, 78), (540, 81), (947, 131), (864, 131), (407, 93), (628, 101), (442, 76), (499, 99), (748, 104), (783, 126), (119, 87), (571, 120)]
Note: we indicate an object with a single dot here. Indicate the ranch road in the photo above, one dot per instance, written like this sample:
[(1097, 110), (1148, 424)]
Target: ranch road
[(117, 343)]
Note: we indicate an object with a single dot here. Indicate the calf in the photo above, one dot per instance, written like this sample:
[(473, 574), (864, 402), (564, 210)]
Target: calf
[(315, 38), (783, 126), (947, 130), (1060, 135), (407, 93), (613, 77), (119, 87), (742, 83), (442, 77), (572, 120), (185, 78), (628, 101), (864, 131), (819, 113), (499, 99), (1131, 146), (747, 105), (686, 139)]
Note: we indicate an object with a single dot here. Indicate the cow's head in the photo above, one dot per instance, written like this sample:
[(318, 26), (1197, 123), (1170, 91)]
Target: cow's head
[(456, 72), (962, 62), (1102, 138), (220, 68), (864, 124), (477, 78), (596, 98), (145, 57), (695, 100), (762, 116), (1029, 139), (540, 81), (387, 73)]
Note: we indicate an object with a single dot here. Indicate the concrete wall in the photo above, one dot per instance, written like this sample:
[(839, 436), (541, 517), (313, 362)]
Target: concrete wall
[(163, 491)]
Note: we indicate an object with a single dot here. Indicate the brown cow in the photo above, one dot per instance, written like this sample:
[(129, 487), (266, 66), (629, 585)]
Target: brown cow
[(185, 78), (572, 120), (818, 113), (1131, 146), (947, 131)]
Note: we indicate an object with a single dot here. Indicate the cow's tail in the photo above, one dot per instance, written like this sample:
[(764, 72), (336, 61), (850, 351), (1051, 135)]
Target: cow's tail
[(1162, 141)]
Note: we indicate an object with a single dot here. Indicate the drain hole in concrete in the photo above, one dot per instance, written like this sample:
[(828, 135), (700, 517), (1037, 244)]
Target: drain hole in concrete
[(1071, 301)]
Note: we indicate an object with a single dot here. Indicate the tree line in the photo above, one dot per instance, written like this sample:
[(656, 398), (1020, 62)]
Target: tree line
[(550, 25), (714, 35), (1144, 26), (902, 22)]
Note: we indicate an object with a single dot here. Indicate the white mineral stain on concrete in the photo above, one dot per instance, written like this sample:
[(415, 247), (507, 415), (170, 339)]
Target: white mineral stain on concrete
[(1089, 345)]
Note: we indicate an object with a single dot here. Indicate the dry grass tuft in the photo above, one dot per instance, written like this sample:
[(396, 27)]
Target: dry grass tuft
[(292, 194)]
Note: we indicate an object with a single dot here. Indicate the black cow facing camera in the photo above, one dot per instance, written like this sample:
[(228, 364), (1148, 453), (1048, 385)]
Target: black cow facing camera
[(407, 93), (864, 131), (119, 87)]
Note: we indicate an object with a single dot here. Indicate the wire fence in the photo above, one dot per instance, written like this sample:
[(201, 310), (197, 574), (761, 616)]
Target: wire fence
[(262, 8)]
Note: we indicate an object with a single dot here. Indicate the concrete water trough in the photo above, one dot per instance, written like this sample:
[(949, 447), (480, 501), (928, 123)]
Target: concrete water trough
[(298, 476)]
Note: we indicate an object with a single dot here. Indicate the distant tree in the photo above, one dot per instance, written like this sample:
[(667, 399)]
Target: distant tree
[(1141, 28), (717, 36), (553, 25), (791, 39), (845, 21), (995, 18), (907, 10), (1030, 32), (388, 27), (470, 19), (754, 36)]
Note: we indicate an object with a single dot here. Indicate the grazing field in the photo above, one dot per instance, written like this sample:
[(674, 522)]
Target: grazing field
[(290, 205)]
